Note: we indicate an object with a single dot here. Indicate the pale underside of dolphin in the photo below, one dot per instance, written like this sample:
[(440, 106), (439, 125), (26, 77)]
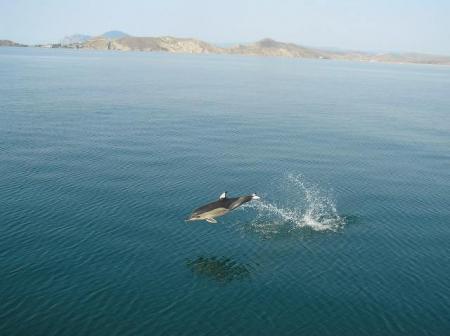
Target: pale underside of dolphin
[(220, 207)]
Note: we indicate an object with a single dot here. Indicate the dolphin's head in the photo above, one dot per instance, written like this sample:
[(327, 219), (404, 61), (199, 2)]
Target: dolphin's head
[(255, 197)]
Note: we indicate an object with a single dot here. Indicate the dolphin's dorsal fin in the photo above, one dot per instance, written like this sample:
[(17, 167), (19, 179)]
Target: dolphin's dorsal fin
[(223, 195)]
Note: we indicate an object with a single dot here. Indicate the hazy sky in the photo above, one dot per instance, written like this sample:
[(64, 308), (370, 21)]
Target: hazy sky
[(376, 25)]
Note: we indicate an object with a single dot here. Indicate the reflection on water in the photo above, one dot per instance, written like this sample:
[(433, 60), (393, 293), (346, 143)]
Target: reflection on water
[(221, 269)]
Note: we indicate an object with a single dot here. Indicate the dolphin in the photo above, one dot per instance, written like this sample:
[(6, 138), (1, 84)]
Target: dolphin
[(220, 207)]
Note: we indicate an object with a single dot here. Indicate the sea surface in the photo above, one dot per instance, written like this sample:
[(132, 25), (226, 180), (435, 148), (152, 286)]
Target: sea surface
[(103, 155)]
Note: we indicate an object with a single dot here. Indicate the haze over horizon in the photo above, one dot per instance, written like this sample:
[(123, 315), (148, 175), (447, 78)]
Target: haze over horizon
[(398, 26)]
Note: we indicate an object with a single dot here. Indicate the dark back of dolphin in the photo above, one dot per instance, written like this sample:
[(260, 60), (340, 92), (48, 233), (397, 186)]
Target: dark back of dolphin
[(227, 203)]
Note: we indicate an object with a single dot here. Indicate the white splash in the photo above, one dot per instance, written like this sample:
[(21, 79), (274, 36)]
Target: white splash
[(301, 204)]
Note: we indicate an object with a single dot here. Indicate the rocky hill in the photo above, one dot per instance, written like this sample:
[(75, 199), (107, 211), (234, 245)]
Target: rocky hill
[(120, 41), (265, 47), (269, 47), (166, 44)]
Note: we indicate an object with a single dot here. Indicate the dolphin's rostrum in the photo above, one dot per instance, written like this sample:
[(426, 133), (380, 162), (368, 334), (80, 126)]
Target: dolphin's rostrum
[(220, 207)]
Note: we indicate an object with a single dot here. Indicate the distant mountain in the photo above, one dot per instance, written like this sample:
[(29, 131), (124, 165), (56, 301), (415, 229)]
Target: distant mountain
[(76, 38), (81, 38), (269, 47), (117, 40), (412, 58), (167, 44), (9, 43), (114, 34)]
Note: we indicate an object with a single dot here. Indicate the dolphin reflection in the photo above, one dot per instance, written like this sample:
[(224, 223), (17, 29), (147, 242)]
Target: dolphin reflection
[(221, 269)]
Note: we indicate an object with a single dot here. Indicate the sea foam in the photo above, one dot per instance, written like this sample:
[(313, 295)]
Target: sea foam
[(300, 204)]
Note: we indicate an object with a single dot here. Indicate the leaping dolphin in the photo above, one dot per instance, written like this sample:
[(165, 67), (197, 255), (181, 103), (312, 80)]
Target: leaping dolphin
[(220, 207)]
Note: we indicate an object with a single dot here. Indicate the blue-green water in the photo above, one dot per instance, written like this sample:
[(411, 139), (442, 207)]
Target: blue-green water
[(103, 155)]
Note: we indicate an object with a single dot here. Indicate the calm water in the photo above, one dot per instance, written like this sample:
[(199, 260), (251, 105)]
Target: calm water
[(103, 155)]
